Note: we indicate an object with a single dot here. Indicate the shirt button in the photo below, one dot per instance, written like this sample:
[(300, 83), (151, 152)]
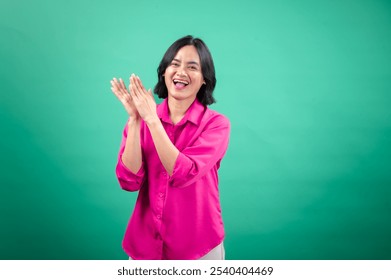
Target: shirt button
[(161, 195), (158, 217)]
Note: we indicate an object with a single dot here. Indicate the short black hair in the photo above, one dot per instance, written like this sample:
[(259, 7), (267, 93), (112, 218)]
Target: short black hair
[(205, 94)]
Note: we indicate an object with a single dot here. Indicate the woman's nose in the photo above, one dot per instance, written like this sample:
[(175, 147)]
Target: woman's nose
[(181, 71)]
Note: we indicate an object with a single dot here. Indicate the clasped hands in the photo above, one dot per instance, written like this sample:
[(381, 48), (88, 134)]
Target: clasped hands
[(138, 102)]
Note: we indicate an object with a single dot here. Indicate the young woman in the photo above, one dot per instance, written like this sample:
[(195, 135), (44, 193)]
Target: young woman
[(170, 153)]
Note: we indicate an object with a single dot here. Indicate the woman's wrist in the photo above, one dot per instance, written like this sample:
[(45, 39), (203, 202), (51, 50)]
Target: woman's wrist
[(133, 120), (152, 120)]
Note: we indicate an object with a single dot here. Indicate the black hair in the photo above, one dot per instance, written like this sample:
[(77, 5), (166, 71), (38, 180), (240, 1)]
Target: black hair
[(205, 94)]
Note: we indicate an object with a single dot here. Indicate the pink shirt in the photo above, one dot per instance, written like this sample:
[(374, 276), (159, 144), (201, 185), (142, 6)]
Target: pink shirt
[(178, 216)]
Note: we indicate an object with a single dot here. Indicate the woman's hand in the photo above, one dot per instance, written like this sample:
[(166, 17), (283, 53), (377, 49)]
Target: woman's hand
[(119, 89), (143, 100)]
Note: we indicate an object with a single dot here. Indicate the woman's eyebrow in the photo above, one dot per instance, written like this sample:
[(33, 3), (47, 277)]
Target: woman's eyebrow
[(190, 62), (193, 62)]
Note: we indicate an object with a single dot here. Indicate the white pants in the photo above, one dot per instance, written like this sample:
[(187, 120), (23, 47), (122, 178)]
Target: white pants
[(217, 253)]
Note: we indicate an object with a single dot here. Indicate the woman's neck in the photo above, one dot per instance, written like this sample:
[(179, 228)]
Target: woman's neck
[(178, 108)]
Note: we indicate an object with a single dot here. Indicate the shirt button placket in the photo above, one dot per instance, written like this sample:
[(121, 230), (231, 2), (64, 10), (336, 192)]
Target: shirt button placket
[(161, 193), (170, 133), (160, 203)]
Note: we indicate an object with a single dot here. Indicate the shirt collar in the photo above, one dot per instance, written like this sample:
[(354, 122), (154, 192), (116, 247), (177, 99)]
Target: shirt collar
[(193, 114)]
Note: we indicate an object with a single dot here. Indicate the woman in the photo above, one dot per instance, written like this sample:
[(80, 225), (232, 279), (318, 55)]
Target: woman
[(170, 153)]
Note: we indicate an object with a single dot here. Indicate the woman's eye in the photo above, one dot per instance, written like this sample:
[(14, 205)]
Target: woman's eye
[(175, 64), (193, 67)]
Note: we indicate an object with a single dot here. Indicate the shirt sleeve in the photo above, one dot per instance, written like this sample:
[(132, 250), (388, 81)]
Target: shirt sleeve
[(196, 160), (128, 180)]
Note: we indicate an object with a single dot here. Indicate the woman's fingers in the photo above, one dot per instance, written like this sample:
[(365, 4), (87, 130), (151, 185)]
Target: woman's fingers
[(133, 90), (138, 88), (132, 80), (123, 87), (140, 85), (142, 99), (114, 87), (121, 92), (119, 89), (119, 86), (122, 83), (115, 84)]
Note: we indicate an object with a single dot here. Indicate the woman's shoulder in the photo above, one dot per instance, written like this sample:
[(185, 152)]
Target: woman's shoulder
[(216, 117)]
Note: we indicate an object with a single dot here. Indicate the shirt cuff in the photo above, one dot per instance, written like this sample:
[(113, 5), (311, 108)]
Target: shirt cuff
[(181, 170), (128, 180)]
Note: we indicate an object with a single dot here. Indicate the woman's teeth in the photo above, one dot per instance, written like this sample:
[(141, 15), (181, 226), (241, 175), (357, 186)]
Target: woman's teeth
[(185, 83)]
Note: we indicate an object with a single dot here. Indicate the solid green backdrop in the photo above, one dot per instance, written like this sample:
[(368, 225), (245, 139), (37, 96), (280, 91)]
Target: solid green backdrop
[(306, 85)]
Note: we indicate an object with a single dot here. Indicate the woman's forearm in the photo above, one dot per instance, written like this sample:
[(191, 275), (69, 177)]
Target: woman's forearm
[(132, 157), (166, 150)]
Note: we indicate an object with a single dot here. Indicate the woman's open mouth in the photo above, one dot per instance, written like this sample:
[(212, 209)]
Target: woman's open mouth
[(180, 84)]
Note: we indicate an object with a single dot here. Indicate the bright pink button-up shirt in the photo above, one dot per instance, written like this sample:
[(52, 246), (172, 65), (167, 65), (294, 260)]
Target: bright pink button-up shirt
[(177, 216)]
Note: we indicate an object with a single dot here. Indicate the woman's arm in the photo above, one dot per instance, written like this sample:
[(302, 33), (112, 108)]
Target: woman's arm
[(166, 150), (204, 153), (129, 180), (132, 153), (131, 157), (146, 107), (129, 167)]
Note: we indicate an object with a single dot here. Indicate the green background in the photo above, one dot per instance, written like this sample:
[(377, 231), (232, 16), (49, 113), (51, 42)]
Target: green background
[(306, 85)]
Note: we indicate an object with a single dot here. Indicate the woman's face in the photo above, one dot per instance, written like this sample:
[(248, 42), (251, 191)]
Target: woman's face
[(183, 76)]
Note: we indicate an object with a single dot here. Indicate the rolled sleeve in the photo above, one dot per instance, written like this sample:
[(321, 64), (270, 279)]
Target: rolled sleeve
[(182, 167), (128, 180), (199, 158)]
